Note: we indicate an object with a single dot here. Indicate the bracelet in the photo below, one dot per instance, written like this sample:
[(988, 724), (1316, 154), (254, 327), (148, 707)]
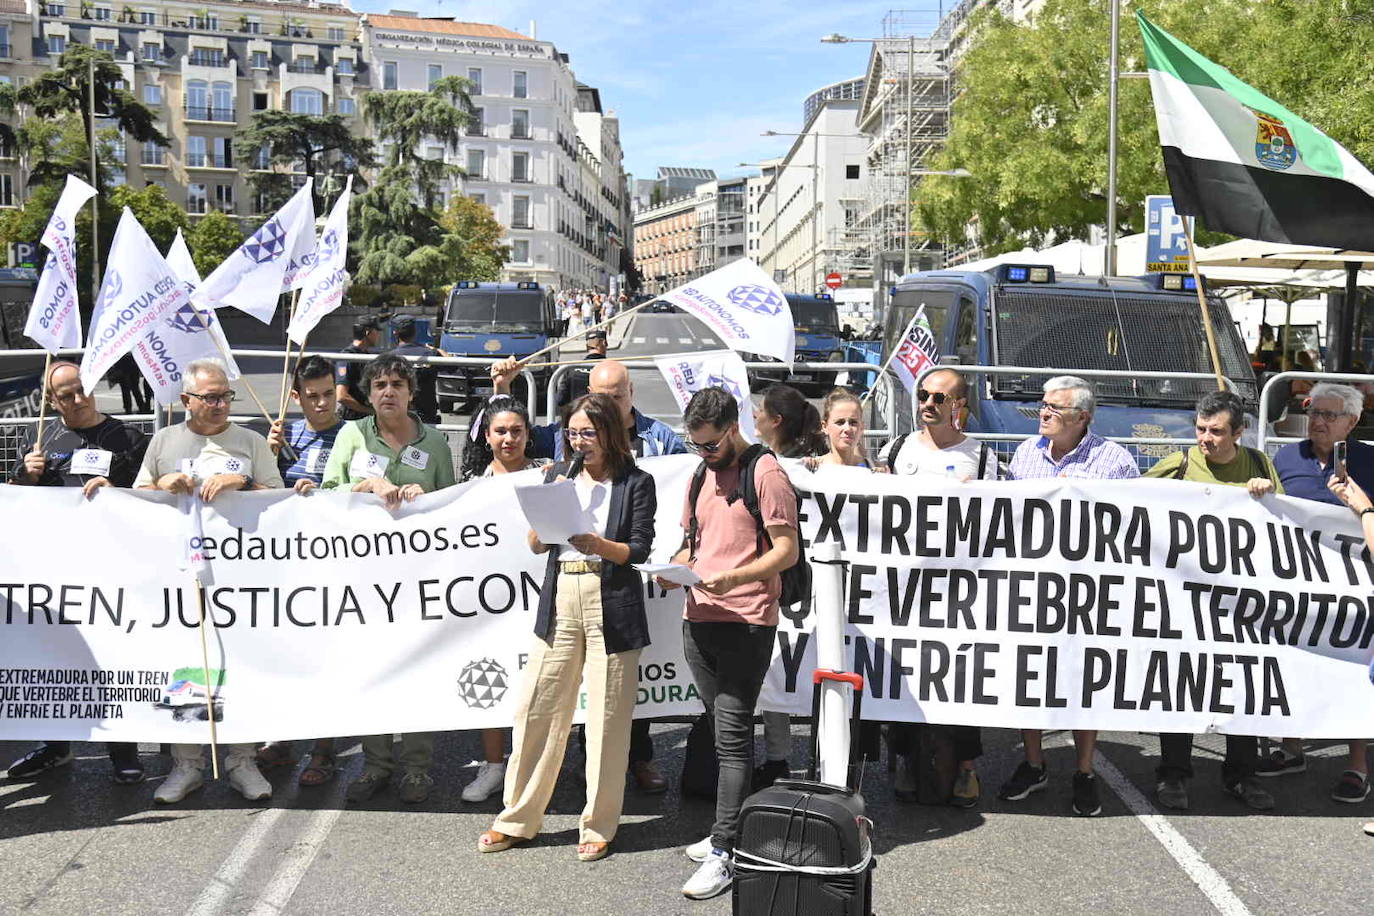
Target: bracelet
[(1365, 511)]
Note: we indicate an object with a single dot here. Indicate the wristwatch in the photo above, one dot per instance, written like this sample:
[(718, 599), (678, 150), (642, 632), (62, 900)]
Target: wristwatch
[(247, 482), (1365, 511)]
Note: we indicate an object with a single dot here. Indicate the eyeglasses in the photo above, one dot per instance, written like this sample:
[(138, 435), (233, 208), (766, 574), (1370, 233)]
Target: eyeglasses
[(1330, 416), (709, 448), (1055, 409), (935, 397), (588, 434), (214, 399)]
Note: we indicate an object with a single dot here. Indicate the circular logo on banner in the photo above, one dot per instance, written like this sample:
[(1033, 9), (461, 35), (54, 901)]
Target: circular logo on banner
[(191, 320), (267, 244), (483, 683), (110, 287), (729, 384), (329, 246), (756, 298)]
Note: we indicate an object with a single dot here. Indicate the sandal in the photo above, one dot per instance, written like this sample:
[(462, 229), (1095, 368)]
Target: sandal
[(271, 756), (319, 769), (495, 841), (590, 852)]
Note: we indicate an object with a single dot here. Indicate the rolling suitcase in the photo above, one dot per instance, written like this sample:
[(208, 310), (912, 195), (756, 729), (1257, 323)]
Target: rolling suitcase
[(804, 846)]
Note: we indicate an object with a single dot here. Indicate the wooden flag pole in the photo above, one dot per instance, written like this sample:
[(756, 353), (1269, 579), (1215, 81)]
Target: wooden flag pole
[(524, 363), (286, 357), (1206, 312), (209, 689), (224, 351), (574, 362), (43, 403)]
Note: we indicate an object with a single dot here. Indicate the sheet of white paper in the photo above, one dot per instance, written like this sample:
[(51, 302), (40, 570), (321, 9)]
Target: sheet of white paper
[(673, 572), (553, 511)]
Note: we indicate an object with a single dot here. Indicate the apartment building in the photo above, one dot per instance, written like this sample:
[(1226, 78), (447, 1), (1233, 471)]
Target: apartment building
[(666, 245)]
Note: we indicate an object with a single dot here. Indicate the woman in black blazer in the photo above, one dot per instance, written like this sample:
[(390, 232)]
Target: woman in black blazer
[(590, 627)]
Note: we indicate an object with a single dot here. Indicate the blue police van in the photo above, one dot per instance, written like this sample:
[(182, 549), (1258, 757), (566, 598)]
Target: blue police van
[(1025, 315), (493, 320), (816, 322)]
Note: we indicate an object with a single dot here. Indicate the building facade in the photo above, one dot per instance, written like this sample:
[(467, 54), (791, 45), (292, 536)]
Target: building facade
[(722, 229), (666, 245)]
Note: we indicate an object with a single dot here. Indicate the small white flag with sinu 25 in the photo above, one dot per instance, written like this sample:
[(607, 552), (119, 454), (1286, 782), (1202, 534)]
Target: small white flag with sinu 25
[(916, 352)]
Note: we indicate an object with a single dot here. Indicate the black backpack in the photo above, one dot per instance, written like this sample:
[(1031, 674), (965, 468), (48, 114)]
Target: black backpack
[(796, 579)]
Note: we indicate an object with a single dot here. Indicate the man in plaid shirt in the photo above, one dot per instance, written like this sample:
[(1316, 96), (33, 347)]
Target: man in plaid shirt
[(1065, 447)]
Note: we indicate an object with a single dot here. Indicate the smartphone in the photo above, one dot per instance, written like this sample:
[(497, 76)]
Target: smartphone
[(1338, 453)]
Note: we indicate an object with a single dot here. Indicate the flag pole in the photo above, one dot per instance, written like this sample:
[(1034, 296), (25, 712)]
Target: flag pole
[(286, 357), (209, 689), (524, 363), (1202, 303), (43, 402)]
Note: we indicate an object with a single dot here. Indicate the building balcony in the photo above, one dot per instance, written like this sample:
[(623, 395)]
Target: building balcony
[(305, 65), (210, 162), (209, 113), (213, 61)]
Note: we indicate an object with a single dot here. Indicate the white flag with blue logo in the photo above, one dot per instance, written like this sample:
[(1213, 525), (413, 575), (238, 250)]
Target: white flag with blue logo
[(325, 281), (688, 373), (54, 319), (138, 294), (266, 264), (743, 307)]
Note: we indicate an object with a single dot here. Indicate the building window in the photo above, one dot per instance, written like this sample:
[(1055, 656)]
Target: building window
[(224, 154), (152, 94), (195, 152), (197, 100), (475, 77), (222, 102), (389, 74), (153, 154), (195, 198), (262, 158), (209, 22), (478, 197), (152, 51), (105, 44), (520, 251), (344, 66), (253, 25), (147, 17), (334, 33), (6, 190), (477, 163), (436, 73), (57, 44), (259, 101), (520, 124), (101, 13), (520, 167), (306, 65), (476, 122), (520, 212), (522, 85), (260, 60), (224, 197), (56, 9), (346, 107), (434, 153), (206, 57), (851, 172), (307, 101)]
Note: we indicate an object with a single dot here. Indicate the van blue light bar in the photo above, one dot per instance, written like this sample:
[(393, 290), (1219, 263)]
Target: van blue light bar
[(467, 284), (1176, 282), (1025, 273), (527, 284)]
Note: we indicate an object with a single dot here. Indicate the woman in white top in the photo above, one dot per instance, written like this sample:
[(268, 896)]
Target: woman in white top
[(842, 422)]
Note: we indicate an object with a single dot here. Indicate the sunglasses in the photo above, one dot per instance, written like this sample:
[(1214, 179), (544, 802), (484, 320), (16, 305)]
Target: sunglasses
[(935, 397), (709, 448)]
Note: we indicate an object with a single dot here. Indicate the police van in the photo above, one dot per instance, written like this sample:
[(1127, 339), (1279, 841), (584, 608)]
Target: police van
[(816, 323), (1026, 315), (493, 320)]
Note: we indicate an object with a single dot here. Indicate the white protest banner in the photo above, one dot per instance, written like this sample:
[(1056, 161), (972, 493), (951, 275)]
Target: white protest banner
[(1153, 605), (138, 293), (746, 310), (916, 352), (54, 321), (688, 373), (324, 283), (182, 264), (266, 264), (1148, 606)]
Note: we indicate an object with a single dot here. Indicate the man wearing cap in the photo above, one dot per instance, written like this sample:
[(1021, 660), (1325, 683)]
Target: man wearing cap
[(576, 382), (348, 376), (426, 400)]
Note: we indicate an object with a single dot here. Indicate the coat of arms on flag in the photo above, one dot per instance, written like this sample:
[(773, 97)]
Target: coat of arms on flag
[(1274, 146)]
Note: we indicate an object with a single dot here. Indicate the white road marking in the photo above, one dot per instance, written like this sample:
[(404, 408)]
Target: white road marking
[(709, 341), (1208, 880), (297, 861), (662, 340), (684, 340), (637, 340), (221, 886)]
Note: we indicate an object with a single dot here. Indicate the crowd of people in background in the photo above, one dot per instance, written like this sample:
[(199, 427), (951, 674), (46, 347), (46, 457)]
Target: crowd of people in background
[(367, 427), (579, 309)]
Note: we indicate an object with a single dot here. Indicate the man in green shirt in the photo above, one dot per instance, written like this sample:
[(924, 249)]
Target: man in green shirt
[(394, 456), (1218, 458)]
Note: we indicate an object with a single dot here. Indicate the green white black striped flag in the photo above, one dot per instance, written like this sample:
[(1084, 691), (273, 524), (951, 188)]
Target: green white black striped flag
[(1245, 164)]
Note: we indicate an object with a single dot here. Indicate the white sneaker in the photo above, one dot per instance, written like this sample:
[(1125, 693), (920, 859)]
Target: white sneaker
[(245, 776), (713, 877), (184, 779), (699, 850), (490, 778)]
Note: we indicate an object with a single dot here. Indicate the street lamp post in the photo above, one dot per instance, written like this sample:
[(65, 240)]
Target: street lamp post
[(1114, 74)]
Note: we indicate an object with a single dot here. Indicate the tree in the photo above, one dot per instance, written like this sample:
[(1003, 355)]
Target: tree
[(150, 205), (1030, 123), (404, 120), (322, 145), (212, 240), (65, 89), (472, 240)]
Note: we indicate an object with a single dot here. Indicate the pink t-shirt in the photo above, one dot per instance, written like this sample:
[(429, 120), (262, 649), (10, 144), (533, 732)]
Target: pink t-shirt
[(729, 539)]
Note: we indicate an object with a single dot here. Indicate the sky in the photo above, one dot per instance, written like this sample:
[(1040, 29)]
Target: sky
[(694, 82)]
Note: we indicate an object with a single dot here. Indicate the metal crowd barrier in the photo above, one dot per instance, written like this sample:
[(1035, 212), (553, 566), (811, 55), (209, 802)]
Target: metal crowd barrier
[(889, 420), (1268, 442)]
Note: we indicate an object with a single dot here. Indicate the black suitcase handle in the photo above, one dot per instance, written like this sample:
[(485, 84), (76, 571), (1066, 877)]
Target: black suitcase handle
[(820, 676)]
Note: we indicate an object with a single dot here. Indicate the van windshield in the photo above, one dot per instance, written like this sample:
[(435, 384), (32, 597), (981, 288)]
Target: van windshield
[(1128, 330), (938, 304), (814, 316), (495, 311)]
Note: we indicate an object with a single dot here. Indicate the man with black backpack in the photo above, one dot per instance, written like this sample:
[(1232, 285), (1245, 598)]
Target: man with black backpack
[(1219, 458), (741, 524)]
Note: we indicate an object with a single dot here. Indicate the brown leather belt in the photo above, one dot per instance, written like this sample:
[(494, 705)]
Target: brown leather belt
[(574, 567)]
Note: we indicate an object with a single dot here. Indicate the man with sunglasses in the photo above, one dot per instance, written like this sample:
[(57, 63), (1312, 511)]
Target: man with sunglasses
[(1065, 447), (732, 616), (80, 447), (939, 449), (209, 455)]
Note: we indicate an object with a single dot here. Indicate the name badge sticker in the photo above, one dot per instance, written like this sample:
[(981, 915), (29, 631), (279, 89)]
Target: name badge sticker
[(413, 457), (315, 459), (366, 464), (92, 461)]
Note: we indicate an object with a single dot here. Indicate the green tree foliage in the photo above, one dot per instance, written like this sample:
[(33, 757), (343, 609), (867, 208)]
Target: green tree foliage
[(65, 90), (472, 240), (323, 145), (1030, 122), (404, 120), (150, 205), (214, 238)]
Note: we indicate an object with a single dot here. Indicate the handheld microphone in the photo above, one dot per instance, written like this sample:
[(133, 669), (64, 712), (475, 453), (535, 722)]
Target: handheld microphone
[(575, 467)]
